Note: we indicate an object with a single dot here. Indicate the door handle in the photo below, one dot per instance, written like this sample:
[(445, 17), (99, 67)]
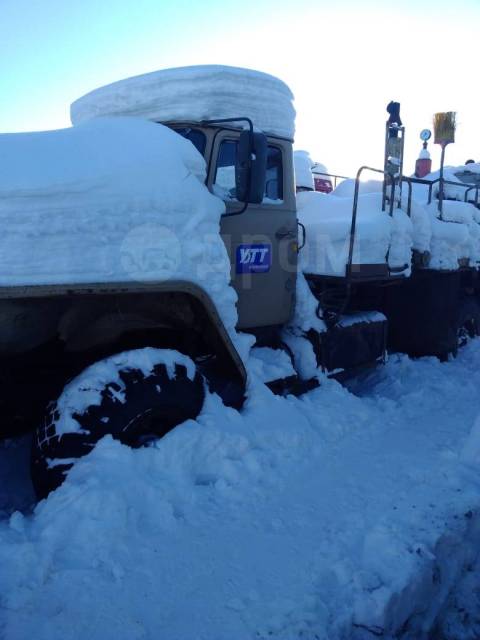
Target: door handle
[(286, 233), (304, 235)]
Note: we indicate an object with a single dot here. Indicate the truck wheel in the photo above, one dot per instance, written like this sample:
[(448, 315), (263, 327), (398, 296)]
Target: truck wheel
[(136, 397), (468, 322)]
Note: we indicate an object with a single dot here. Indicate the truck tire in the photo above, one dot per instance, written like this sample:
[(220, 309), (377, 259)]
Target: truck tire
[(468, 322), (135, 410)]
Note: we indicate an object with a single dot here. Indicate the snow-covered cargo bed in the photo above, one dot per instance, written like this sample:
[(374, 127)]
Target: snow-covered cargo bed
[(196, 93), (111, 200), (379, 237), (463, 178), (328, 517), (449, 239)]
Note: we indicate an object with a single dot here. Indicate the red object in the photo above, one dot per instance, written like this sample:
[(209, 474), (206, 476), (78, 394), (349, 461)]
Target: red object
[(423, 166), (322, 184)]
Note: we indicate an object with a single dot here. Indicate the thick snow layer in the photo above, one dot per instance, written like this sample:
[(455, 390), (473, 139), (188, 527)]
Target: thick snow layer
[(361, 316), (305, 314), (271, 364), (452, 191), (457, 211), (421, 232), (114, 199), (194, 94), (450, 243), (346, 188), (303, 169), (336, 515), (446, 243), (422, 227), (472, 167), (455, 236), (327, 220)]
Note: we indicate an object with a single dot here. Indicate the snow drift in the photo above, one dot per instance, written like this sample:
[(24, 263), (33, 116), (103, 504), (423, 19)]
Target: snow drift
[(326, 517), (195, 93)]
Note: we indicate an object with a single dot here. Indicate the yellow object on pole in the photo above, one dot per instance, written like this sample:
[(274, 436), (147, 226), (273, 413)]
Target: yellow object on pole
[(444, 125)]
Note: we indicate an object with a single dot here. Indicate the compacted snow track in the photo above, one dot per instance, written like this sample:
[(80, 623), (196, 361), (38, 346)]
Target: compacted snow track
[(347, 513)]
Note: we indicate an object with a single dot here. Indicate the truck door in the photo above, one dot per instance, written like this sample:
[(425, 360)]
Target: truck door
[(261, 241)]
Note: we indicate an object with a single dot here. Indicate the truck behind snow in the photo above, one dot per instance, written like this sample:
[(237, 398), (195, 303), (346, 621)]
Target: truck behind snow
[(146, 249)]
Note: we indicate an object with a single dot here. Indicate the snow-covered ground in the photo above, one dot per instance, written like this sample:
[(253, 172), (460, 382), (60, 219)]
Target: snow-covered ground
[(347, 513)]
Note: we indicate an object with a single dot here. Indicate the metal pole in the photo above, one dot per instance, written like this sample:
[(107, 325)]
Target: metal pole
[(401, 168), (385, 161), (440, 191)]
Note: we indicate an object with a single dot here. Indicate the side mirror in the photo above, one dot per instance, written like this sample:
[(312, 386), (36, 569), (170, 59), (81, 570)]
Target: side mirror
[(251, 167)]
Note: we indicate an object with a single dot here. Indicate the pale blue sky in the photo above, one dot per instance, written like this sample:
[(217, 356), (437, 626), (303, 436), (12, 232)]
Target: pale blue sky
[(343, 60)]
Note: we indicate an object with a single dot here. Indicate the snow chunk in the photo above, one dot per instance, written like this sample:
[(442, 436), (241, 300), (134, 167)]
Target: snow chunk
[(305, 315), (271, 364), (361, 316), (456, 211), (449, 244), (196, 93)]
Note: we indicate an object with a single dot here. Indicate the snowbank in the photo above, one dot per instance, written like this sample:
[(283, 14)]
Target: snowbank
[(327, 220), (194, 94), (114, 199), (330, 516)]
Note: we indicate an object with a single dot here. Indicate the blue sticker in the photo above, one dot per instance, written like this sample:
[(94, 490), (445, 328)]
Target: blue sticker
[(253, 258)]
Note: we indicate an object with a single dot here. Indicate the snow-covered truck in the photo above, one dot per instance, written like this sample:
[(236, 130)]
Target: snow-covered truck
[(144, 251)]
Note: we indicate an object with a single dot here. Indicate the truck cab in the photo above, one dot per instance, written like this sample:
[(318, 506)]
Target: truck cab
[(261, 238)]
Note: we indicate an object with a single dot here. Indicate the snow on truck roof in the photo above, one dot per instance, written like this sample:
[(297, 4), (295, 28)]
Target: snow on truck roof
[(193, 94)]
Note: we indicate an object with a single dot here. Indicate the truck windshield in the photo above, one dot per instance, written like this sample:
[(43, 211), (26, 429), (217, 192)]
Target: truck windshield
[(196, 137)]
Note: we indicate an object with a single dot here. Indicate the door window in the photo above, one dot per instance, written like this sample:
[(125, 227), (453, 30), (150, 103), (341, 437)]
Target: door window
[(224, 183)]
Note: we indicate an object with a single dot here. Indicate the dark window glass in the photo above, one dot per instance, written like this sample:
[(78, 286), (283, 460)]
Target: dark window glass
[(274, 182), (224, 184), (196, 137)]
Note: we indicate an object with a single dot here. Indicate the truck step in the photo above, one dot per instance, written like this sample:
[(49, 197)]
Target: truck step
[(292, 386)]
